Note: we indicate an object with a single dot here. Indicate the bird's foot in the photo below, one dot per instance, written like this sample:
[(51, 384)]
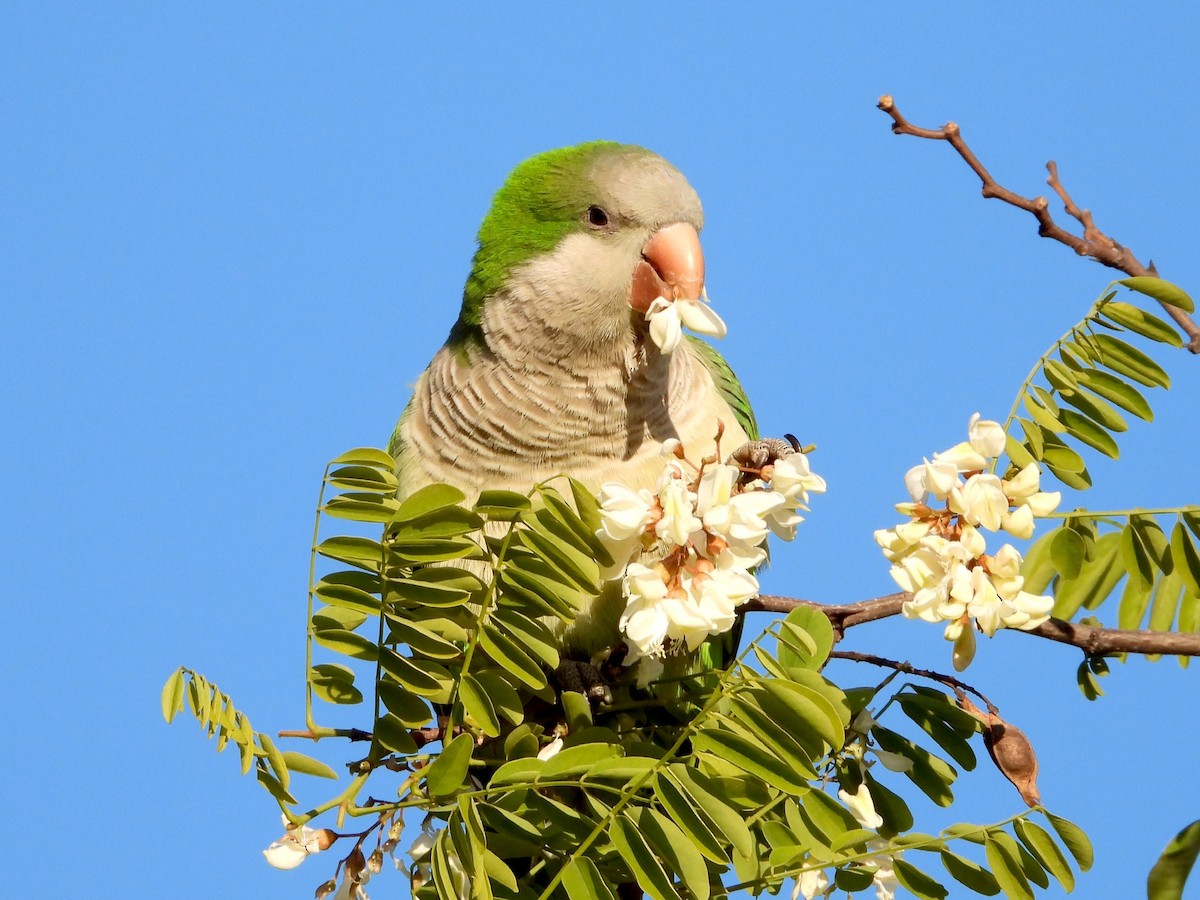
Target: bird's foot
[(583, 678), (754, 456)]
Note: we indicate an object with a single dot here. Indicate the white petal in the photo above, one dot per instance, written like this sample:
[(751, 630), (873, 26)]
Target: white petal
[(986, 436), (665, 327), (285, 853), (701, 318)]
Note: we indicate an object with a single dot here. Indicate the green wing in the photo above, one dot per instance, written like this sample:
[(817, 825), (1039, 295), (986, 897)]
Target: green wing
[(727, 384)]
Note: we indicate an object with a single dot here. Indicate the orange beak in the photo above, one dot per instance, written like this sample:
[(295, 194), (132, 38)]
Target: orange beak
[(672, 266)]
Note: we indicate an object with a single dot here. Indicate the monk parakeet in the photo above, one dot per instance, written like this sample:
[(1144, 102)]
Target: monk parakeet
[(550, 367)]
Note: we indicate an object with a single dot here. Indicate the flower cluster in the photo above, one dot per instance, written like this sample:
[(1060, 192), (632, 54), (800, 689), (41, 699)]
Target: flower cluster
[(668, 318), (940, 555), (685, 550)]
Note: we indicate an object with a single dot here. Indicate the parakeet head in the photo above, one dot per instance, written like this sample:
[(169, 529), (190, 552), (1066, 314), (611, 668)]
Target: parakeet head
[(584, 239)]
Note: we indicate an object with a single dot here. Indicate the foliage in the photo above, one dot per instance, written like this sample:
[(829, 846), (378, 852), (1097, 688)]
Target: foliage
[(447, 627)]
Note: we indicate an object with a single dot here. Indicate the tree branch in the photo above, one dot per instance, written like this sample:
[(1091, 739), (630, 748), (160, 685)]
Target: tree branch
[(1092, 639), (1094, 243), (907, 668)]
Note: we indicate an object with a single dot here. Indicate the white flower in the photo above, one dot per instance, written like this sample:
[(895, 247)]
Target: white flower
[(882, 861), (810, 883), (986, 436), (668, 318), (1044, 502), (862, 807), (679, 518), (550, 749), (421, 846), (793, 477), (1024, 484), (963, 457), (936, 478), (1018, 522), (980, 501), (666, 328), (893, 762), (1005, 562), (964, 646), (863, 722), (624, 512), (297, 844), (644, 622), (1028, 610)]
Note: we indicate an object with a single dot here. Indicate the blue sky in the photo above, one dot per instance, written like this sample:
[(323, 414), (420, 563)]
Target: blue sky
[(232, 238)]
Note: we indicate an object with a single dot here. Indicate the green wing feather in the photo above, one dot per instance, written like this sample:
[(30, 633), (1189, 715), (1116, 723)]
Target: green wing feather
[(727, 384)]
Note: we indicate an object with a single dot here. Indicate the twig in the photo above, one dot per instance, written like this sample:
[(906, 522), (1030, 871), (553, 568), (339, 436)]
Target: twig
[(1091, 639), (908, 669), (1094, 243)]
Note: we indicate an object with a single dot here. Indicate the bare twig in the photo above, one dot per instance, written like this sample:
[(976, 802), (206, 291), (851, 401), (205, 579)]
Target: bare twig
[(1094, 243), (948, 680), (1091, 639)]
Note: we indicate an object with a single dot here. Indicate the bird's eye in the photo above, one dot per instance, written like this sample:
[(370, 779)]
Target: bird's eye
[(597, 217)]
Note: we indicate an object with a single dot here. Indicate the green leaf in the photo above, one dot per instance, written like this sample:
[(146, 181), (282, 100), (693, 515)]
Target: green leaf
[(1084, 429), (1131, 362), (581, 878), (417, 678), (478, 705), (674, 848), (428, 499), (362, 553), (334, 684), (798, 705), (1155, 542), (1119, 392), (1160, 290), (1006, 867), (366, 456), (730, 823), (505, 652), (1170, 872), (1039, 843), (751, 757), (362, 478), (969, 873), (1067, 551), (897, 817), (1095, 581), (695, 823), (1185, 556), (503, 696), (559, 517), (1134, 601), (917, 882), (1138, 320), (501, 506), (435, 586), (814, 624), (276, 790), (448, 522), (347, 596), (306, 765), (172, 695), (1059, 375), (391, 733), (529, 634), (421, 640), (581, 569), (771, 733), (637, 854), (407, 554), (408, 708), (1073, 839), (1043, 416), (575, 761), (347, 643), (931, 774), (360, 507), (445, 774), (1098, 410)]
